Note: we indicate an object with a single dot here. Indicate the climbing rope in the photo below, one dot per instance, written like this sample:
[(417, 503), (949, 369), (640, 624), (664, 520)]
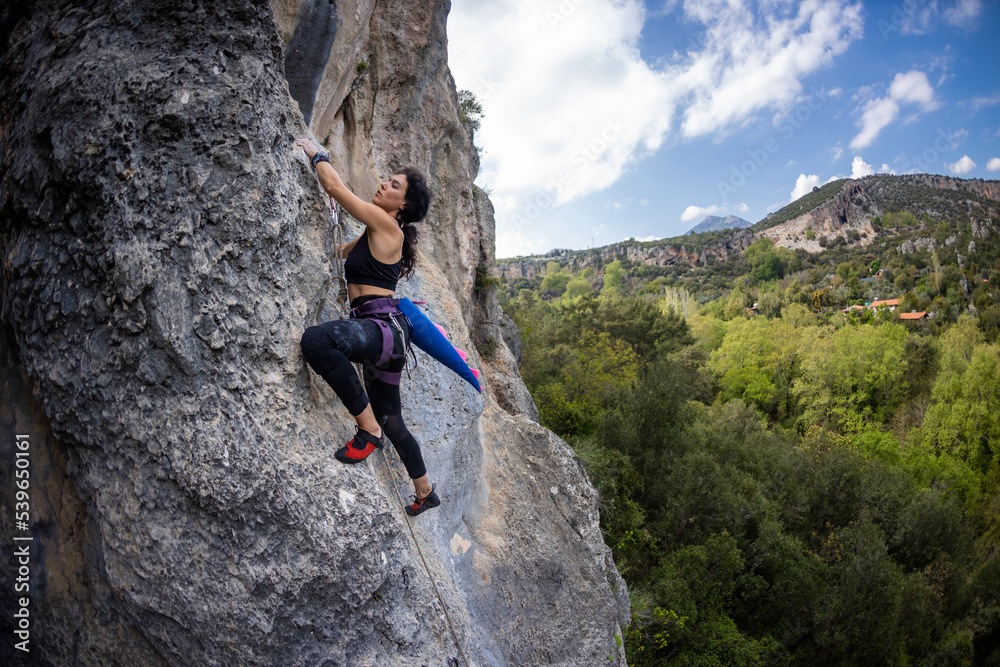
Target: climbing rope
[(336, 263), (342, 307), (409, 524)]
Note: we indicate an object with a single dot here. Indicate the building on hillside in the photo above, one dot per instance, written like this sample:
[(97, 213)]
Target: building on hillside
[(913, 316), (891, 304)]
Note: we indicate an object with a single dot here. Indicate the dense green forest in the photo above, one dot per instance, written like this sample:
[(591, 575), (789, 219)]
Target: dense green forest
[(784, 483)]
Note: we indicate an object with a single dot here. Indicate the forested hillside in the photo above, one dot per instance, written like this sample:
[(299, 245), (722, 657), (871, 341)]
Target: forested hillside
[(792, 473)]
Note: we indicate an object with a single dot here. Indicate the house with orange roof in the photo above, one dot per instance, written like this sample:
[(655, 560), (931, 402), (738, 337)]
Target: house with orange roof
[(891, 304), (913, 315)]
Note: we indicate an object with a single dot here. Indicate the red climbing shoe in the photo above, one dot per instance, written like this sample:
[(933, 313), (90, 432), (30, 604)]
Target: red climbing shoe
[(422, 504), (358, 449)]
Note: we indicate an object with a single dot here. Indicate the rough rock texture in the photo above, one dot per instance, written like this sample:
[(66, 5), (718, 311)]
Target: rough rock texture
[(163, 247), (852, 208), (987, 189), (910, 247), (981, 230), (734, 244)]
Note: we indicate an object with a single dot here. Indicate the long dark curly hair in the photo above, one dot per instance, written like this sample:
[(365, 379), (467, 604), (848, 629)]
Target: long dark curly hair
[(416, 202)]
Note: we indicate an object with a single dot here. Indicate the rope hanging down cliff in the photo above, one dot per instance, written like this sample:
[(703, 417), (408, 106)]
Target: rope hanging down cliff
[(409, 524)]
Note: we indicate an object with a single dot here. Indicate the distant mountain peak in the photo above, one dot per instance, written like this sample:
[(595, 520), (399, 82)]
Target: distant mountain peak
[(715, 223)]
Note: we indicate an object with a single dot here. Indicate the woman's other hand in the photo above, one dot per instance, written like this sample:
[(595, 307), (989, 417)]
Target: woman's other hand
[(307, 146)]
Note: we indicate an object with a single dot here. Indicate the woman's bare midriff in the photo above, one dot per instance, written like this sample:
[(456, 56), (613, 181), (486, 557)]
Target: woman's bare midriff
[(354, 291)]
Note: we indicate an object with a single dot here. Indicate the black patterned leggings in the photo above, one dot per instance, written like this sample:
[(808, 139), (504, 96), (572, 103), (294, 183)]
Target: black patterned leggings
[(330, 349)]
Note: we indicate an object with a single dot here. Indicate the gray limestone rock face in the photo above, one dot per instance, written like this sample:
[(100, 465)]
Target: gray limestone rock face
[(163, 247)]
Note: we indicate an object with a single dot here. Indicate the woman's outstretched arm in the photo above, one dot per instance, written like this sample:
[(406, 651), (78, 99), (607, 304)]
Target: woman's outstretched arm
[(365, 212)]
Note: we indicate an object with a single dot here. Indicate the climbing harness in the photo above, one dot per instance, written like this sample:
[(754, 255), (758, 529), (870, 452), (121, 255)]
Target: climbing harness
[(383, 312)]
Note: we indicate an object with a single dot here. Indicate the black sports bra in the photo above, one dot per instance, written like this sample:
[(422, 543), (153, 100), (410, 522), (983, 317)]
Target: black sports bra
[(361, 268)]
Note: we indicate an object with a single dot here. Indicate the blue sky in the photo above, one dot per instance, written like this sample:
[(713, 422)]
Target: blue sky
[(611, 119)]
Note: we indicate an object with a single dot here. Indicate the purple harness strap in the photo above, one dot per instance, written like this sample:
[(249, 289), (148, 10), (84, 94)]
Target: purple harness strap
[(381, 306), (371, 310)]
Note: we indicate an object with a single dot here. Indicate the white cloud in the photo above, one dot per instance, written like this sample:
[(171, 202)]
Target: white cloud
[(979, 103), (745, 68), (514, 242), (919, 18), (962, 167), (860, 168), (963, 14), (569, 103), (993, 164), (878, 114), (957, 137), (909, 88), (742, 208), (886, 169), (804, 185), (699, 212), (644, 201), (838, 151), (912, 87), (619, 205), (646, 239)]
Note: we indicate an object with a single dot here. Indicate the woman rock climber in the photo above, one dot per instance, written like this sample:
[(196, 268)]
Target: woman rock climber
[(377, 332)]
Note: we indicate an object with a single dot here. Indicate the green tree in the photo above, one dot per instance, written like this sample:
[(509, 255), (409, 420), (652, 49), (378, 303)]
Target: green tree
[(600, 372), (614, 279), (757, 363), (735, 305), (765, 262), (852, 376), (577, 287), (769, 305), (964, 417), (555, 281), (470, 108)]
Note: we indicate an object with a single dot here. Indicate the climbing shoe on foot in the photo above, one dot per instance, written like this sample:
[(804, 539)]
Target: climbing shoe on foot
[(421, 504), (358, 449)]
